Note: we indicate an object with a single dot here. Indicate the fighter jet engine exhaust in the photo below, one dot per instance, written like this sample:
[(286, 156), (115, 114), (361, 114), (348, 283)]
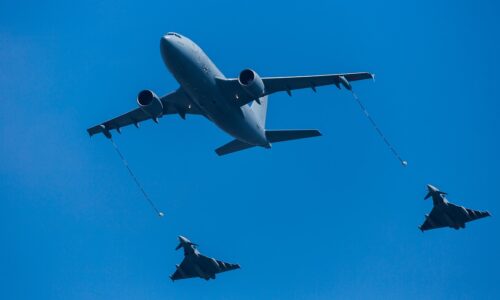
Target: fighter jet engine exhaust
[(251, 83), (150, 104)]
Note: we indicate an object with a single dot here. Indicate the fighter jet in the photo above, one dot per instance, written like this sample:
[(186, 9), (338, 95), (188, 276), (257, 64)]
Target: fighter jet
[(236, 105), (198, 265), (446, 214)]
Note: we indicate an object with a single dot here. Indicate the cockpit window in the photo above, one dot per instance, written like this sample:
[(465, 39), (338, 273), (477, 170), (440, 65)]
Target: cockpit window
[(174, 34)]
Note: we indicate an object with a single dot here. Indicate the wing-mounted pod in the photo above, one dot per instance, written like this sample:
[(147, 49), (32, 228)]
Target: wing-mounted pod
[(251, 83), (150, 104)]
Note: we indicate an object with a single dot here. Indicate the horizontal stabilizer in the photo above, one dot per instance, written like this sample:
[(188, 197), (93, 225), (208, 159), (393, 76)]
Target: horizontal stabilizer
[(274, 136), (231, 147)]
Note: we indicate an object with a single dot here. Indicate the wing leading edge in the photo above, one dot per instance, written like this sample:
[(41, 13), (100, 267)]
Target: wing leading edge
[(202, 266), (176, 102), (279, 84)]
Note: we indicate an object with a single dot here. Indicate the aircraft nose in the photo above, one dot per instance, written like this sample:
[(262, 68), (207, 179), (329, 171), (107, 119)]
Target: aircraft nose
[(431, 188), (166, 43)]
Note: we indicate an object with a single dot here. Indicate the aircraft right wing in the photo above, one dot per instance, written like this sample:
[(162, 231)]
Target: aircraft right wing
[(176, 102), (431, 222), (184, 271)]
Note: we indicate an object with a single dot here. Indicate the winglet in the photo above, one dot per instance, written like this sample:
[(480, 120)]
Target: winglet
[(98, 129)]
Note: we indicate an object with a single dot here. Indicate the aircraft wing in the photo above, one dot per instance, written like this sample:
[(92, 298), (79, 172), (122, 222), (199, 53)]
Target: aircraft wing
[(223, 266), (287, 84), (184, 271), (432, 221), (176, 102), (473, 214), (476, 214)]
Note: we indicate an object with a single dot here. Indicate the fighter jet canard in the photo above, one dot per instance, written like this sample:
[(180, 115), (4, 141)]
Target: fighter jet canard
[(446, 214), (205, 91), (198, 265)]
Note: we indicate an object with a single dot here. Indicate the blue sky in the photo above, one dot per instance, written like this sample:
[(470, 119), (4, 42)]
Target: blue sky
[(331, 217)]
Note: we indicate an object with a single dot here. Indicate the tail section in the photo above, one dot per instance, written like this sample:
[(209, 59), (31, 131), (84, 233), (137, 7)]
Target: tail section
[(274, 136), (260, 110), (233, 146)]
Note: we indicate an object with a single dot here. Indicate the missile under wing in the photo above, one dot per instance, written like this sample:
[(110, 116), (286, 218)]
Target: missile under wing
[(196, 264), (446, 214)]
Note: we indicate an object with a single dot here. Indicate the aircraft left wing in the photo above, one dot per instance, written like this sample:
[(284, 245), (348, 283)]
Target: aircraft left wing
[(476, 214), (287, 84), (223, 266), (473, 214), (278, 84), (176, 102)]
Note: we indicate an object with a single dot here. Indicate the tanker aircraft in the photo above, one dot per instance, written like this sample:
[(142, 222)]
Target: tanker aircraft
[(236, 105)]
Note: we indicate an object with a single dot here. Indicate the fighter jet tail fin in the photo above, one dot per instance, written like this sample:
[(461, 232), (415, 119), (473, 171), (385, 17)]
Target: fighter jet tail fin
[(231, 147), (274, 136)]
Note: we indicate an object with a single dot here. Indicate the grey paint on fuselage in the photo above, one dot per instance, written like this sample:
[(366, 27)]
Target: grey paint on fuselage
[(446, 214), (196, 264), (236, 105), (197, 74)]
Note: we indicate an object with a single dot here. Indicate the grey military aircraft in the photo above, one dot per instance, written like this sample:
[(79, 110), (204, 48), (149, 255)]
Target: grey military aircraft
[(236, 105), (198, 265), (446, 214)]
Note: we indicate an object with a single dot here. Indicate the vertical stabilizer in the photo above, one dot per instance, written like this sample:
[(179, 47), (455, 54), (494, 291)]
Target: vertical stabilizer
[(261, 110)]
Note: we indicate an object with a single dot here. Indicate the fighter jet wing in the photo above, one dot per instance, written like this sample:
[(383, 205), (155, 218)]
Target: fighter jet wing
[(175, 102), (473, 214), (432, 221), (209, 263), (279, 84), (184, 271), (476, 214)]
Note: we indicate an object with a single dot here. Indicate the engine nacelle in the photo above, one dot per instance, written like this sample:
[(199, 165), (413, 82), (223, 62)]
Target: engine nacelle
[(150, 103), (252, 83)]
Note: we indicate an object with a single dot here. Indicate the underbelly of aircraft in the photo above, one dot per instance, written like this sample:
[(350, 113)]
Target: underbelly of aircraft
[(233, 120)]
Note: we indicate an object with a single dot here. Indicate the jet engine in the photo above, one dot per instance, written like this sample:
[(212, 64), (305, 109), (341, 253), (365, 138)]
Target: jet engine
[(150, 103), (251, 82)]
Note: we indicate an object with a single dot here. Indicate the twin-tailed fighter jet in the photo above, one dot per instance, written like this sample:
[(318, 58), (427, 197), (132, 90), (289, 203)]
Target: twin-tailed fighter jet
[(205, 91), (446, 214), (198, 265)]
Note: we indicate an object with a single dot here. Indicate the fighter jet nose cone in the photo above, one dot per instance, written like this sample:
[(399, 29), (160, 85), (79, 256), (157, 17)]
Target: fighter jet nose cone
[(431, 188), (183, 239)]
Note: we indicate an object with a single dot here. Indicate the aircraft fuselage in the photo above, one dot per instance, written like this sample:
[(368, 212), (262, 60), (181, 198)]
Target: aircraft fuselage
[(197, 74)]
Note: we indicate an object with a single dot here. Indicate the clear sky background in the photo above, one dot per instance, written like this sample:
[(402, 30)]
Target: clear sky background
[(330, 217)]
